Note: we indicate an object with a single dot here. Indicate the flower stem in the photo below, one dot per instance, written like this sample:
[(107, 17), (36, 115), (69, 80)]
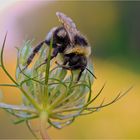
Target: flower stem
[(43, 121), (2, 62), (47, 76)]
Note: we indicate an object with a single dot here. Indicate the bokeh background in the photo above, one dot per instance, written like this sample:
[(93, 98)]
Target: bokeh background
[(113, 30)]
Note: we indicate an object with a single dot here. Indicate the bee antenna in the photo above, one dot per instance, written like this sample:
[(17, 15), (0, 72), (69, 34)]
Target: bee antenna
[(91, 73)]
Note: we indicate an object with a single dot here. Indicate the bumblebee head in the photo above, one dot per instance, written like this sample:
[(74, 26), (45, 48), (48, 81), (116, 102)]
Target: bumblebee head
[(60, 33), (60, 37)]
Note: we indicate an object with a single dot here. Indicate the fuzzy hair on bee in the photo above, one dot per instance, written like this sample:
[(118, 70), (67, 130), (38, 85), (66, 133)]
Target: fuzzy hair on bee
[(68, 42), (78, 42)]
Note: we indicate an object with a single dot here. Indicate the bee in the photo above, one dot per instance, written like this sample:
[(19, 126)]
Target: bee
[(68, 42)]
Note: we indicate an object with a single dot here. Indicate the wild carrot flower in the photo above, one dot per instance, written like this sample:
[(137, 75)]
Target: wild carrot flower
[(50, 92)]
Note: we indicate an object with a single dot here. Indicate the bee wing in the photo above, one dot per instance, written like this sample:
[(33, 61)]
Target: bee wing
[(69, 25)]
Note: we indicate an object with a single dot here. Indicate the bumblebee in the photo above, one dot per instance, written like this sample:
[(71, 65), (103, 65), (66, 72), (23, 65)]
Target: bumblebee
[(69, 42)]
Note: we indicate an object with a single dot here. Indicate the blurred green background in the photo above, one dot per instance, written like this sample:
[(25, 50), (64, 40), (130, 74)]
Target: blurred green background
[(113, 30)]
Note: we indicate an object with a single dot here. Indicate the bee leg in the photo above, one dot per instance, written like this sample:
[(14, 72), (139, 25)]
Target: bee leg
[(64, 63), (44, 62), (30, 58), (54, 54), (63, 66), (80, 74), (80, 67), (66, 60), (74, 67)]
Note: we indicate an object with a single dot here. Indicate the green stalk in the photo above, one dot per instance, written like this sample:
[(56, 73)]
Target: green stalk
[(43, 121), (8, 85), (11, 78), (47, 76), (32, 101), (2, 63), (30, 129)]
